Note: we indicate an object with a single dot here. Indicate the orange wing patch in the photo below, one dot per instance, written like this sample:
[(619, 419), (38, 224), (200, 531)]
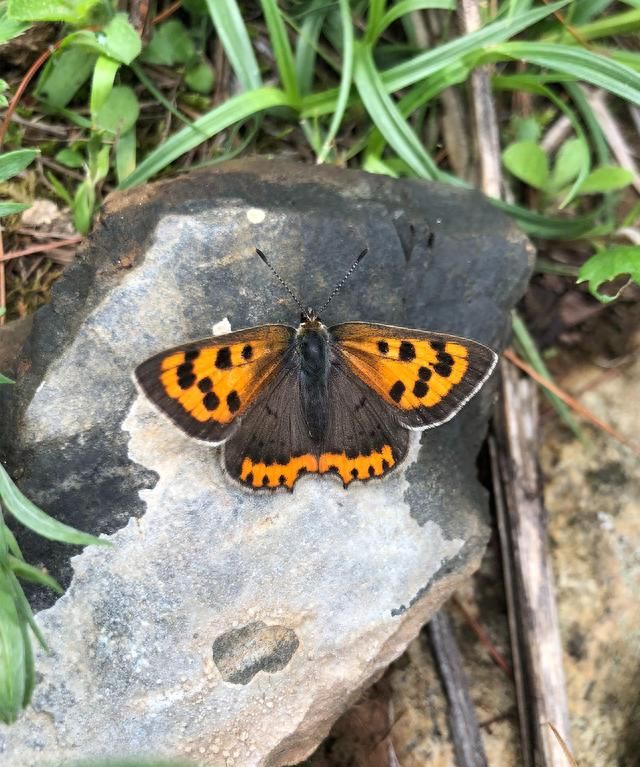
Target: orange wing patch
[(216, 383), (408, 373), (205, 385), (376, 464)]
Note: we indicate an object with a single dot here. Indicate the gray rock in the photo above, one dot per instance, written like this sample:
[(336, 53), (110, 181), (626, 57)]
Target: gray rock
[(223, 626)]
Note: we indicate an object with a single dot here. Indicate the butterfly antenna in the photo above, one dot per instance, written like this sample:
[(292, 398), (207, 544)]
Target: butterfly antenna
[(348, 274), (281, 281)]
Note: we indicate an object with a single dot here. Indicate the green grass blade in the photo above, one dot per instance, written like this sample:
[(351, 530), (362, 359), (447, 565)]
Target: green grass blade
[(388, 119), (402, 8), (549, 227), (345, 79), (425, 64), (28, 514), (234, 37), (281, 48), (528, 345), (139, 72), (587, 66), (233, 110), (306, 47), (33, 574)]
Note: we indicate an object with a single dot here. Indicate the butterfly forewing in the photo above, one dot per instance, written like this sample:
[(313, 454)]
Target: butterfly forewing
[(425, 377), (205, 386)]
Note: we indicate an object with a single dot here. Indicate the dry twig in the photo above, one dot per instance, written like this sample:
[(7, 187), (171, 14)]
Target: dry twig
[(536, 637), (467, 740)]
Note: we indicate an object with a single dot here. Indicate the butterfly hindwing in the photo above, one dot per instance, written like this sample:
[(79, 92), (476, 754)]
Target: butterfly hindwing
[(205, 386), (424, 377), (272, 448)]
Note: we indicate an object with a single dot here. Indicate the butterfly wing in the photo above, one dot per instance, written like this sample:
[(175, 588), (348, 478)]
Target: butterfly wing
[(426, 378), (272, 447), (205, 386)]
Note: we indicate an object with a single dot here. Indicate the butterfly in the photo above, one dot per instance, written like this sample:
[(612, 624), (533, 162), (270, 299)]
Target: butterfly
[(339, 400)]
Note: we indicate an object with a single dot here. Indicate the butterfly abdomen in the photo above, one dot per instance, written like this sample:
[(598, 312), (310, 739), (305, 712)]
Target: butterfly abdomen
[(313, 348)]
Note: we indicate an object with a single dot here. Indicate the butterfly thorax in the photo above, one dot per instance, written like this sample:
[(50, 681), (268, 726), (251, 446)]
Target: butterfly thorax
[(312, 346)]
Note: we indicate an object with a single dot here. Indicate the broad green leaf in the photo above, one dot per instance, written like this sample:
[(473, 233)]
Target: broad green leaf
[(233, 110), (606, 178), (70, 158), (609, 264), (65, 73), (527, 161), (120, 111), (526, 129), (307, 44), (571, 158), (12, 653), (104, 74), (200, 77), (10, 28), (234, 37), (5, 380), (69, 11), (120, 40), (170, 44), (12, 163), (28, 514), (9, 208)]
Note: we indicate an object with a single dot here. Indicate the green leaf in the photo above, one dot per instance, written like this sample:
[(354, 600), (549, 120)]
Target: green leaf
[(59, 188), (234, 37), (10, 28), (65, 73), (401, 8), (28, 514), (307, 44), (33, 574), (526, 128), (346, 77), (170, 44), (231, 111), (572, 157), (588, 66), (281, 48), (126, 154), (606, 178), (120, 111), (70, 11), (120, 40), (12, 163), (388, 119), (609, 264), (70, 158), (84, 201), (526, 161), (104, 75), (5, 380), (9, 208), (435, 59), (200, 78), (12, 654)]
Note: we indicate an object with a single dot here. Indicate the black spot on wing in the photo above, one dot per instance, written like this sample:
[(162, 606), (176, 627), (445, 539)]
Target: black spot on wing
[(210, 400), (233, 401), (420, 388), (192, 355), (424, 373), (396, 391), (247, 352), (205, 385), (223, 358), (407, 351)]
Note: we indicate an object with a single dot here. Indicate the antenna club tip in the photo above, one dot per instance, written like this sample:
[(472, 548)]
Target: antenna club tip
[(362, 255), (262, 255)]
